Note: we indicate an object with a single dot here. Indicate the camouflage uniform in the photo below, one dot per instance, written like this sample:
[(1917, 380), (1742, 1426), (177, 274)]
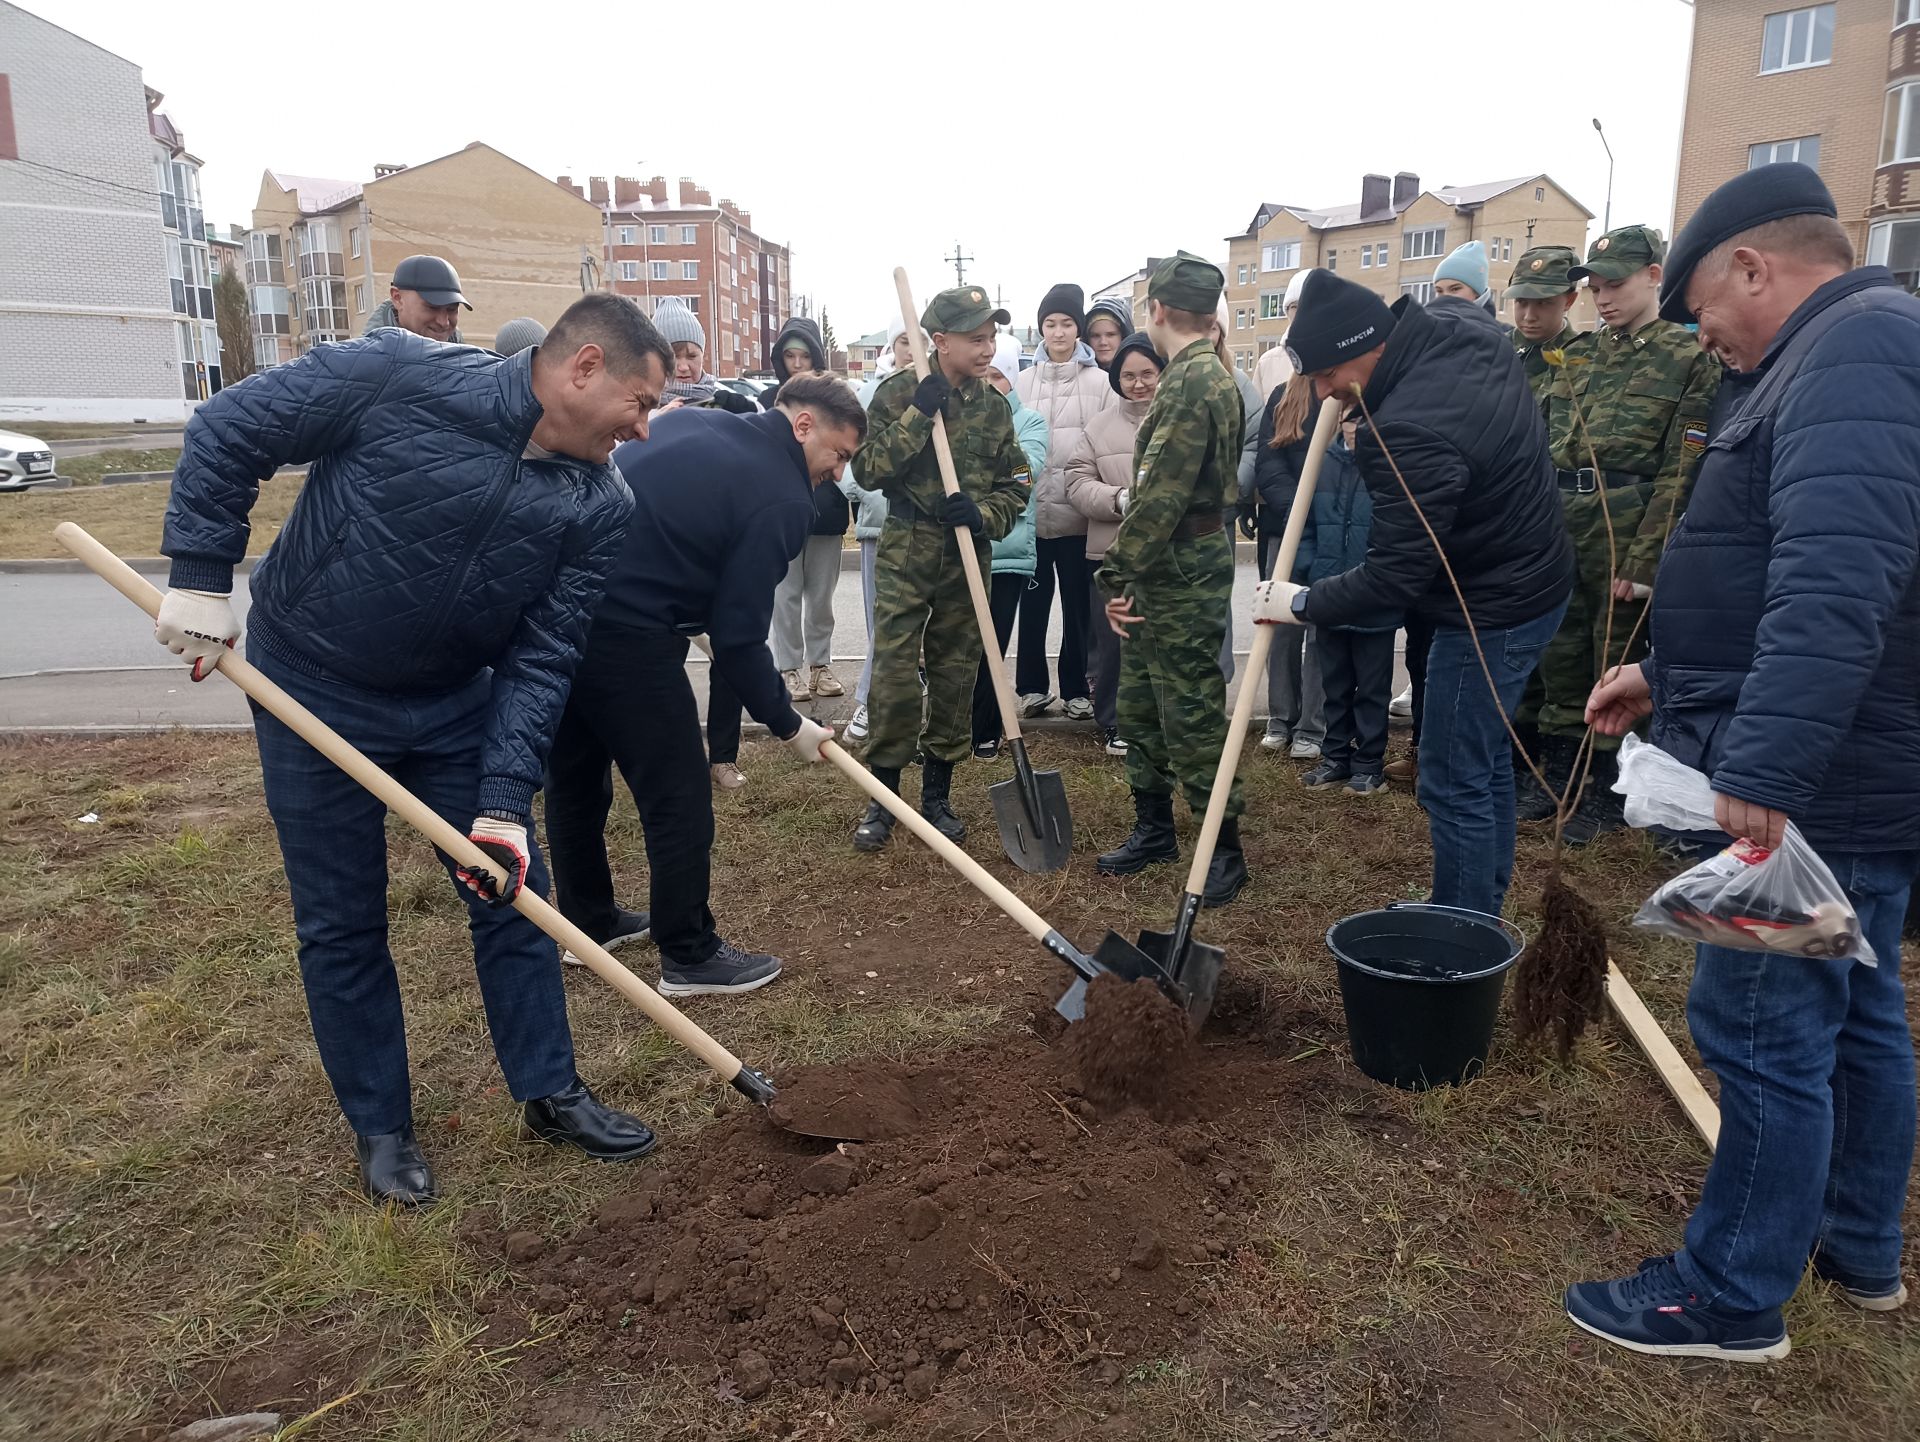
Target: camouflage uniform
[(1645, 399), (1173, 556), (920, 597)]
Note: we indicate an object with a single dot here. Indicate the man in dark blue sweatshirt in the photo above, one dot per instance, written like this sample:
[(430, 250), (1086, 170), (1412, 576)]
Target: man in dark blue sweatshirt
[(722, 505)]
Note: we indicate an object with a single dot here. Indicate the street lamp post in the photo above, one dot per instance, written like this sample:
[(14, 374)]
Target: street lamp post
[(1606, 224)]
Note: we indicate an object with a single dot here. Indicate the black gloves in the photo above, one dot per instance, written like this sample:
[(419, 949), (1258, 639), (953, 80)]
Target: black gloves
[(1247, 523), (930, 396), (958, 510), (729, 400)]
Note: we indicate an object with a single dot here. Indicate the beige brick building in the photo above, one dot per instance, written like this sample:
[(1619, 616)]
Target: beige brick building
[(1389, 241), (321, 253), (1834, 85), (706, 253)]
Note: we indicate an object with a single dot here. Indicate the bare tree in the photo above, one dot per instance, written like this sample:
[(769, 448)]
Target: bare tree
[(235, 326)]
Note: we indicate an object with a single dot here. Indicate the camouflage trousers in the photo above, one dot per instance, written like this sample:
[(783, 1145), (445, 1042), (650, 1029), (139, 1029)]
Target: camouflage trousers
[(921, 606), (1172, 702), (1582, 649)]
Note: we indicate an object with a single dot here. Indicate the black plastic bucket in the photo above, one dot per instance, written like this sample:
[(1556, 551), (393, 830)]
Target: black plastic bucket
[(1421, 986)]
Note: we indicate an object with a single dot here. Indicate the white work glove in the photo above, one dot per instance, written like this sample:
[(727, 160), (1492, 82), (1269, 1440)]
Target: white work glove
[(806, 742), (1273, 604), (1120, 500), (505, 843), (197, 625)]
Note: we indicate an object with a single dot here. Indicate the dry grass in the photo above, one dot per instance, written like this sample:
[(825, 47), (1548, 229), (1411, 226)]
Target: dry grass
[(126, 519), (179, 1229)]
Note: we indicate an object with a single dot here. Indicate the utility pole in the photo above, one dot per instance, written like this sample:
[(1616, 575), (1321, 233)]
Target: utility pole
[(959, 264), (1606, 223)]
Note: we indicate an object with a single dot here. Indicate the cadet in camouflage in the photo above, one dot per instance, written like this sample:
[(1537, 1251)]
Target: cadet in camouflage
[(1174, 560), (921, 604), (1540, 280)]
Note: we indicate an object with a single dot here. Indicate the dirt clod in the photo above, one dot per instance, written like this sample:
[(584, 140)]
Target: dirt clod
[(524, 1246), (921, 1219), (831, 1176), (1132, 1044), (752, 1376), (921, 1382), (1148, 1252), (759, 1202)]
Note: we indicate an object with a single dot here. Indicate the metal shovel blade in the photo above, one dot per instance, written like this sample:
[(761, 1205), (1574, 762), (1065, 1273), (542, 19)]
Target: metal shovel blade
[(1036, 828), (1123, 959), (1195, 974)]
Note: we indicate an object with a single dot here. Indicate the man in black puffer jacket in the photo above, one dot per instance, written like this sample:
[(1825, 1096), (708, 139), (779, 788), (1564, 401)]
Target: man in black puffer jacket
[(427, 599), (1451, 408)]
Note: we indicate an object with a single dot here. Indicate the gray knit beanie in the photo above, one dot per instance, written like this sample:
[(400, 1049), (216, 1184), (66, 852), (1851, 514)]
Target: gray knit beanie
[(516, 335), (676, 323)]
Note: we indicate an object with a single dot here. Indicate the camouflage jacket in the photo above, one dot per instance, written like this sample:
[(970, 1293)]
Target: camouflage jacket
[(1539, 373), (897, 458), (1185, 460), (1645, 399)]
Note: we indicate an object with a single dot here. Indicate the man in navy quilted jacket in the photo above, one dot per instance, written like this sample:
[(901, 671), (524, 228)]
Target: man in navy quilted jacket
[(427, 598), (1786, 665)]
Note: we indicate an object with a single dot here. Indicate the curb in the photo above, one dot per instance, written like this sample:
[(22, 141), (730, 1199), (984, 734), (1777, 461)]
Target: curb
[(71, 566)]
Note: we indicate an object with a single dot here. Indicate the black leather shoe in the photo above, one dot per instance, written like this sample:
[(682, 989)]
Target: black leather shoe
[(579, 1118), (1151, 840), (876, 827), (1227, 872), (393, 1169)]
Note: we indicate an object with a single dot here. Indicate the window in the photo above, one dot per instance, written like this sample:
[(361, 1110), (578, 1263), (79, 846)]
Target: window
[(1366, 257), (263, 257), (1900, 140), (272, 310), (1285, 255), (1797, 39), (1806, 150), (1380, 252), (1905, 12), (656, 235), (1896, 245), (1425, 244), (1506, 248), (9, 145), (1333, 260), (689, 270), (629, 270), (625, 234), (353, 242), (1270, 304), (1539, 192), (657, 269), (1243, 269), (689, 234), (266, 351), (693, 303), (359, 296), (1420, 290)]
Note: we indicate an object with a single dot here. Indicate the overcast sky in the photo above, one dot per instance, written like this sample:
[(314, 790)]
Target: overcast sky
[(872, 135)]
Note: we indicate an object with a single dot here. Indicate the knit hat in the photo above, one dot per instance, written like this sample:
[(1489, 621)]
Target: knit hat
[(1468, 265), (1139, 342), (1337, 321), (1006, 357), (1751, 198), (1294, 286), (676, 323), (516, 335), (1068, 300), (1117, 309)]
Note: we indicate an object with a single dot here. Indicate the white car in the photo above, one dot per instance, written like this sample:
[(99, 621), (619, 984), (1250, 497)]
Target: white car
[(24, 462)]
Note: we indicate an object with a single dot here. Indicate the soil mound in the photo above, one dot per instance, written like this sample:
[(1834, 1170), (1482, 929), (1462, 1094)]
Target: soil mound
[(1132, 1046)]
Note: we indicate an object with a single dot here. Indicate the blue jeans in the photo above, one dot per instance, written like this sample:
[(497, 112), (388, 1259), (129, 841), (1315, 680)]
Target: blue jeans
[(1816, 1071), (334, 841), (1466, 758)]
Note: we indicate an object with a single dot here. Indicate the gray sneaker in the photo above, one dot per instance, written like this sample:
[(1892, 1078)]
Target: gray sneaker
[(1079, 709), (1035, 703), (1304, 751), (728, 971)]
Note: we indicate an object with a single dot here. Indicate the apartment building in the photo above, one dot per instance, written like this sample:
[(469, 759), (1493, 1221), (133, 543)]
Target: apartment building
[(1389, 241), (321, 253), (105, 303), (863, 356), (708, 254), (1836, 86)]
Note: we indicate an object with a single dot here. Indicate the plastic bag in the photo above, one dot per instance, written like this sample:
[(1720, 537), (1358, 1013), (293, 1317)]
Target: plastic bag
[(1785, 901)]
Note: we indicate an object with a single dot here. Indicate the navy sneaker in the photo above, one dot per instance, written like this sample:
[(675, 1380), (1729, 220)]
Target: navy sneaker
[(628, 927), (1326, 774), (1869, 1294), (1365, 783), (727, 972), (1653, 1311)]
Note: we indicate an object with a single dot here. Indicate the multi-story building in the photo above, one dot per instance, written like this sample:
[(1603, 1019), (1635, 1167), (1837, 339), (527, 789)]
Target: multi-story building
[(321, 253), (1836, 86), (1390, 242), (863, 356), (709, 255), (102, 281)]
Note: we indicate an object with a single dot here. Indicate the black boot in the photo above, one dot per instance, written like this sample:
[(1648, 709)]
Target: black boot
[(1531, 802), (877, 825), (1599, 809), (1152, 839), (936, 782), (1227, 872), (579, 1118), (392, 1168)]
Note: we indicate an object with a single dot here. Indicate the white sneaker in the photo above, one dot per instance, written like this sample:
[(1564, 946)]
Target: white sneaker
[(1275, 741), (857, 723), (797, 690), (1401, 707), (1079, 709), (1035, 703), (1304, 751)]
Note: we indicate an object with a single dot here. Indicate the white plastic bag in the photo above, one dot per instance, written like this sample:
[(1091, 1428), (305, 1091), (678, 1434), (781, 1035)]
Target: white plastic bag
[(1786, 900)]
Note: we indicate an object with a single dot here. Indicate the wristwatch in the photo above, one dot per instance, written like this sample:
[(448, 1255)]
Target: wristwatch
[(1300, 603)]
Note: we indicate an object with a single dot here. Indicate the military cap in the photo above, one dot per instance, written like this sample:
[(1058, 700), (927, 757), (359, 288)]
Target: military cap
[(1620, 253), (962, 309), (1187, 282), (1752, 198), (1541, 273)]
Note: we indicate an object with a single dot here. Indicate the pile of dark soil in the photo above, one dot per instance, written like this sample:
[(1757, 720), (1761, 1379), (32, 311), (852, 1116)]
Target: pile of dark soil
[(1070, 1200)]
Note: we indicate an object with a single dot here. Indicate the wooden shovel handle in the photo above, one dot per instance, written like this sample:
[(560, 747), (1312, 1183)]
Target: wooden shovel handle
[(950, 482), (317, 734), (1323, 429)]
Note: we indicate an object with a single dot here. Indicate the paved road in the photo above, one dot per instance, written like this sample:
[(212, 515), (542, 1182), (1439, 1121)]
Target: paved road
[(139, 441), (78, 655)]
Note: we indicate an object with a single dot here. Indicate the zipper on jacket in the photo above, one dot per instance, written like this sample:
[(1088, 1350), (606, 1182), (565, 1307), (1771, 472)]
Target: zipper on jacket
[(299, 592)]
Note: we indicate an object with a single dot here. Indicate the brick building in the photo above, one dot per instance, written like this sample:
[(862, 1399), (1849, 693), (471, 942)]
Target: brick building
[(1836, 86), (1390, 242), (321, 253), (709, 255), (105, 310)]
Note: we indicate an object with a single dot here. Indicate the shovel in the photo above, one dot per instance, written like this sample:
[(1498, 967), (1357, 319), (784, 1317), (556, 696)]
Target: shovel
[(1035, 826), (1194, 966)]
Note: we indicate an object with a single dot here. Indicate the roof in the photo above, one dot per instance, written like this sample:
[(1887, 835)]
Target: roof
[(877, 338), (314, 194), (1460, 197)]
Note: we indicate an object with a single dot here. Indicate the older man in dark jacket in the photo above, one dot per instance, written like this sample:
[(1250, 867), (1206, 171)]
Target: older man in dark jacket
[(1786, 665), (427, 599), (1452, 414)]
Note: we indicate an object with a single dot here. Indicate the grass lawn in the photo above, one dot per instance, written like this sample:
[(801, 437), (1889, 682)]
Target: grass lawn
[(180, 1234), (126, 519), (85, 430), (87, 470)]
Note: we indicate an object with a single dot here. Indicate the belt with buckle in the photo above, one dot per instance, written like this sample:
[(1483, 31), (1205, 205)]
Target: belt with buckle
[(1197, 523), (1586, 480)]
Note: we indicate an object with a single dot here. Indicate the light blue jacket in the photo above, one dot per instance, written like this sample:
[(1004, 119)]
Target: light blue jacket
[(1013, 554), (869, 507)]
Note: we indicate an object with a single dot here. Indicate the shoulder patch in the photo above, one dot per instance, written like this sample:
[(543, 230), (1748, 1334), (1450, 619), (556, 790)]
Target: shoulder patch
[(1694, 439)]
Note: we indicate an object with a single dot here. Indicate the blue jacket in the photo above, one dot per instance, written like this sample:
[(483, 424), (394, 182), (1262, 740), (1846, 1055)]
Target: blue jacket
[(1339, 519), (1786, 613), (423, 549), (1014, 553)]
